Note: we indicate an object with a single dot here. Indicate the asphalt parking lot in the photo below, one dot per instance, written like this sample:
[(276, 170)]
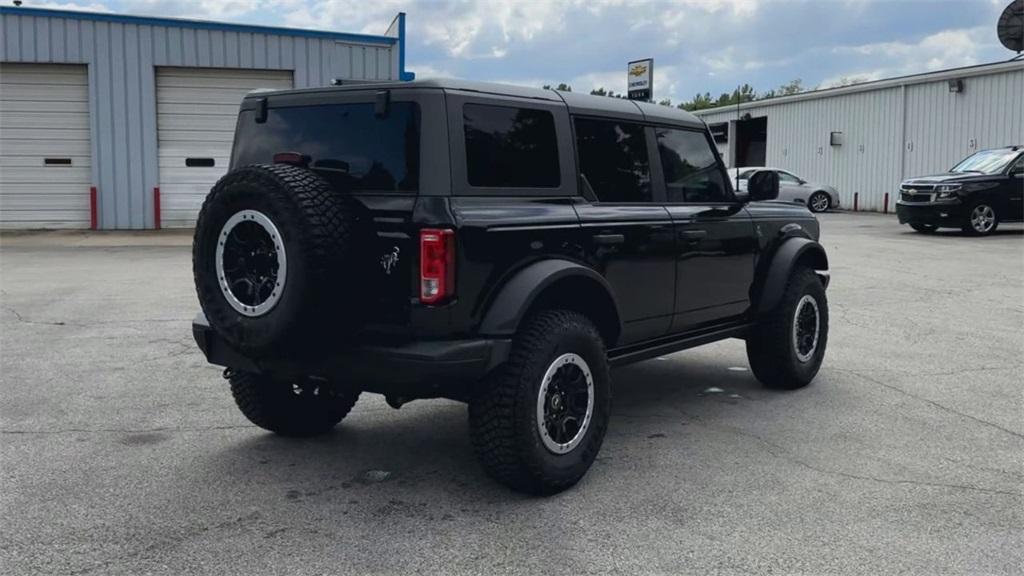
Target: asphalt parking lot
[(122, 452)]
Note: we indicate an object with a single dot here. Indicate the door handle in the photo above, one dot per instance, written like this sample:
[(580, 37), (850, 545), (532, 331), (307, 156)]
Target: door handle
[(693, 236), (607, 239)]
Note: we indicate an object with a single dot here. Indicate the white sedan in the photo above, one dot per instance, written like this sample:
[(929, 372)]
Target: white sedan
[(792, 188)]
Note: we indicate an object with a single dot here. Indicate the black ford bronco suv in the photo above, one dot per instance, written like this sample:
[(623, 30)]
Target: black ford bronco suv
[(497, 245)]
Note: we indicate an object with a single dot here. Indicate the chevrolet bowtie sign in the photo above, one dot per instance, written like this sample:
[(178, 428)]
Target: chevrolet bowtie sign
[(640, 79)]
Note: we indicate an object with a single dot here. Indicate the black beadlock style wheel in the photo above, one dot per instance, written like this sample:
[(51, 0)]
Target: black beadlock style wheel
[(303, 407), (538, 422), (787, 345), (273, 260)]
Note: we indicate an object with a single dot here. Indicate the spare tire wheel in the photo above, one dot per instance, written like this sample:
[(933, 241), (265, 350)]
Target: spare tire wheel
[(274, 262)]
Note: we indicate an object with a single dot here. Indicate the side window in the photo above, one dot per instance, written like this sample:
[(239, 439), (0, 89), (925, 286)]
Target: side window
[(613, 158), (510, 147), (745, 174), (1017, 167), (788, 178), (691, 172)]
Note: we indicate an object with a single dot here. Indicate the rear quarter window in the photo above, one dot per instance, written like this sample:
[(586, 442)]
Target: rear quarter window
[(347, 144), (510, 147)]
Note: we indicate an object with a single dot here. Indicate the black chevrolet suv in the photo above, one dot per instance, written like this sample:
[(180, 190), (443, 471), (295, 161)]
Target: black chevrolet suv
[(981, 191), (496, 245)]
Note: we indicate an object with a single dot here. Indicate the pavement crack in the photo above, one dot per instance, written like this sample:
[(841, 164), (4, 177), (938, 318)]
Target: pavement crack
[(933, 403)]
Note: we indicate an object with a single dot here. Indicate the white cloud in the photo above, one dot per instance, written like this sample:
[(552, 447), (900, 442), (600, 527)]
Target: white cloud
[(938, 51), (90, 7)]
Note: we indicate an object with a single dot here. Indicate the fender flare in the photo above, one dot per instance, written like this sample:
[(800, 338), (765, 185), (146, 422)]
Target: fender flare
[(793, 250), (521, 291)]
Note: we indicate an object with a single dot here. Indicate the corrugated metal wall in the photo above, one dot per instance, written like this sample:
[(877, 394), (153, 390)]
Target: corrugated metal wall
[(941, 127), (122, 57)]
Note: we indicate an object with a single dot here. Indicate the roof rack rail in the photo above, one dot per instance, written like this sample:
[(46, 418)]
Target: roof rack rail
[(347, 82)]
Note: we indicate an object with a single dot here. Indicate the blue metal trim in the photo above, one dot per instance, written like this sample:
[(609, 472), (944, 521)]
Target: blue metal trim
[(402, 73), (197, 24)]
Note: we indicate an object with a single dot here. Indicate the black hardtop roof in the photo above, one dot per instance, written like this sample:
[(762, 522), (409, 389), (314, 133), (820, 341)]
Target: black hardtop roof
[(578, 103)]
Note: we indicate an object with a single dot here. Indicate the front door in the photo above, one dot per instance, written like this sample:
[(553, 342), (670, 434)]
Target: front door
[(715, 245), (792, 189), (628, 235), (1014, 186)]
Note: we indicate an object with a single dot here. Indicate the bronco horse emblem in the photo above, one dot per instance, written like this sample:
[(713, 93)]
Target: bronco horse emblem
[(389, 260)]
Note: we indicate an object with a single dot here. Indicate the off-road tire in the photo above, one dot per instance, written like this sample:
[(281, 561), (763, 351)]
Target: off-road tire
[(968, 226), (924, 228), (318, 228), (503, 416), (770, 345), (303, 408)]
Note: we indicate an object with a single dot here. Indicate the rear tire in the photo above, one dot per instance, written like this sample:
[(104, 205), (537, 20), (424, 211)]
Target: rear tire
[(924, 228), (787, 346), (305, 407), (529, 427)]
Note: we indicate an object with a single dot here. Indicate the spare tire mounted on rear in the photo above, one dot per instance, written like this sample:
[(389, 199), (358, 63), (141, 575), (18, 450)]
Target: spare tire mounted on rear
[(273, 259)]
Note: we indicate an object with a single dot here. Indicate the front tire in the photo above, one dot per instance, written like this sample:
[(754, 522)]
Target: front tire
[(981, 219), (819, 202), (539, 421), (787, 346), (305, 407)]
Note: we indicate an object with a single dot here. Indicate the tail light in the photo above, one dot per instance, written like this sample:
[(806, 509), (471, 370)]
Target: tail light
[(437, 265)]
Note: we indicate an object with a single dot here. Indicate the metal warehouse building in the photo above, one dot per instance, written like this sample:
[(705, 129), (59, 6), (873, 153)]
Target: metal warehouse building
[(864, 139), (114, 121)]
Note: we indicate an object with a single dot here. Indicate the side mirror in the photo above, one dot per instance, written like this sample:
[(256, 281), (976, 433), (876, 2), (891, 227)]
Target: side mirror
[(763, 185)]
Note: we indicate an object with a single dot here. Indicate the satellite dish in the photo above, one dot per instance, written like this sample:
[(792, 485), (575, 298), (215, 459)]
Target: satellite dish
[(1011, 26)]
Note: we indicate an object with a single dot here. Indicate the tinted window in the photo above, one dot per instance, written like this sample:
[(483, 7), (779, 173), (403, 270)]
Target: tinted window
[(510, 147), (613, 157), (691, 172), (347, 144)]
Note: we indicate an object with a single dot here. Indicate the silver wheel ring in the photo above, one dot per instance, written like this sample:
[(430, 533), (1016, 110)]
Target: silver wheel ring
[(820, 202), (983, 218), (805, 301), (267, 224), (549, 442)]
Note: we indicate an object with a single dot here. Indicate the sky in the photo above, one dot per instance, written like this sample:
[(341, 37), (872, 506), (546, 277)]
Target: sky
[(698, 45)]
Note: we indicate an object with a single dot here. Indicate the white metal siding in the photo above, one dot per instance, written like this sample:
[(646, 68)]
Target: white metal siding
[(890, 133), (122, 58), (44, 113), (196, 113)]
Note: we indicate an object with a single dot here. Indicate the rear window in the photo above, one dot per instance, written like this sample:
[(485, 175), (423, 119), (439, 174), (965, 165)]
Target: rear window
[(347, 144), (510, 147)]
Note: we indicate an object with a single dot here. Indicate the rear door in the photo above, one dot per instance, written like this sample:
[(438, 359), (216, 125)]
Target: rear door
[(628, 232), (714, 263)]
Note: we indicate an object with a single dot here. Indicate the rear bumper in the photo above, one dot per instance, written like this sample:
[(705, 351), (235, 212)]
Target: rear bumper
[(937, 214), (418, 369)]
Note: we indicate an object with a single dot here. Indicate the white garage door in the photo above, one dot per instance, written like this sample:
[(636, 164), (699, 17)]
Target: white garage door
[(196, 113), (45, 164)]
